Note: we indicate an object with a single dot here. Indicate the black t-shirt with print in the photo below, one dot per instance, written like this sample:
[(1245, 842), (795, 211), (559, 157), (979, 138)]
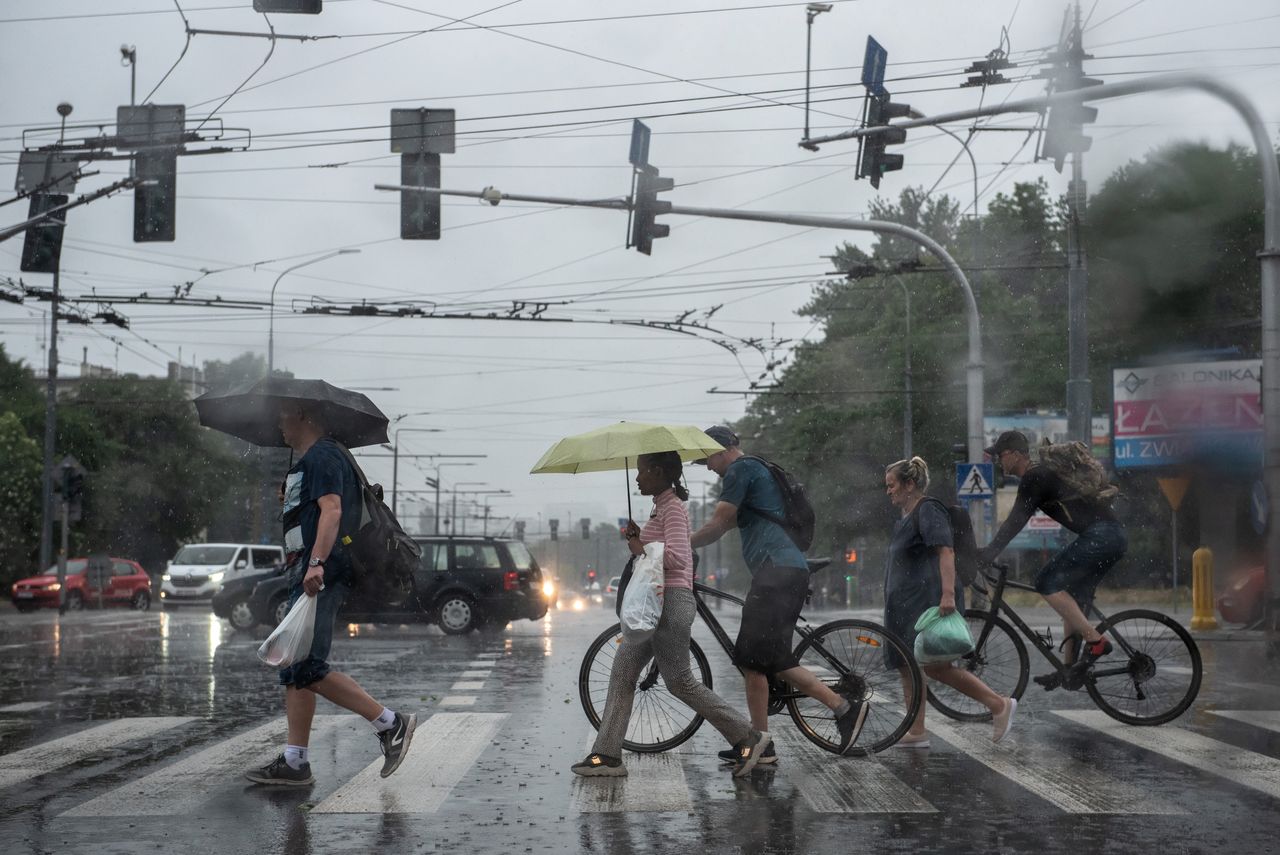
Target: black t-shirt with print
[(324, 470)]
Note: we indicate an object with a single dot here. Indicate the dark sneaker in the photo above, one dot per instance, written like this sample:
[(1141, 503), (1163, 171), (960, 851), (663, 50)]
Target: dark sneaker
[(395, 742), (750, 751), (1089, 654), (1049, 681), (600, 766), (280, 773), (768, 756), (850, 724)]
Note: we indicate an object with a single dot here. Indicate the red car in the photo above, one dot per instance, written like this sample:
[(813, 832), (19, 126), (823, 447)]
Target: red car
[(123, 583)]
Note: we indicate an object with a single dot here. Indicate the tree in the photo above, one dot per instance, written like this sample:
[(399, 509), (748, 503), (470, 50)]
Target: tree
[(21, 462)]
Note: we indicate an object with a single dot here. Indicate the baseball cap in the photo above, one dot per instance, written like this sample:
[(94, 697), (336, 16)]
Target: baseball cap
[(1010, 440), (722, 435)]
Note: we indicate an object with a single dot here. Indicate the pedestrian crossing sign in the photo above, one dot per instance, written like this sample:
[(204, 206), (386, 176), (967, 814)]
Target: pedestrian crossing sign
[(974, 480)]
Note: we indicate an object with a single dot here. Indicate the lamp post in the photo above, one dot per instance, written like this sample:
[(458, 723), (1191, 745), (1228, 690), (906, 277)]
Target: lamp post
[(906, 375), (453, 517), (479, 493), (271, 322), (812, 11), (395, 459)]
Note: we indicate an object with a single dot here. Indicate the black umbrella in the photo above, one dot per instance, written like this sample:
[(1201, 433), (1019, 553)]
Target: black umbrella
[(252, 412)]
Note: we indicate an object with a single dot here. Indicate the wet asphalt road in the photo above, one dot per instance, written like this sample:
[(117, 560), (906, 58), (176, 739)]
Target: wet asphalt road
[(126, 732)]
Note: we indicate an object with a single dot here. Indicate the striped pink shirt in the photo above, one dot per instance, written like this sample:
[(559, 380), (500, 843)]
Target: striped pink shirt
[(669, 524)]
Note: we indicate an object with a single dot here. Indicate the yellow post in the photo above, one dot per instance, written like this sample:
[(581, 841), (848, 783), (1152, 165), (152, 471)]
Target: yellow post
[(1202, 616)]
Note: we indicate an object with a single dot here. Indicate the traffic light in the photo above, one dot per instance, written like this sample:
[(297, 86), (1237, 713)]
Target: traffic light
[(295, 7), (42, 243), (647, 206), (851, 556), (420, 135), (419, 212), (520, 530), (1064, 129), (555, 529), (591, 576), (586, 528), (155, 200), (875, 162)]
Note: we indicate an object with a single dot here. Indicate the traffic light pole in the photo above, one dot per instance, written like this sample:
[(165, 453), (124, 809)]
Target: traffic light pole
[(1079, 387), (50, 439), (975, 366)]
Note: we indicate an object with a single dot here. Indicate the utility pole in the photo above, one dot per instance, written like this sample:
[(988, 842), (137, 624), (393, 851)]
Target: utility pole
[(51, 399)]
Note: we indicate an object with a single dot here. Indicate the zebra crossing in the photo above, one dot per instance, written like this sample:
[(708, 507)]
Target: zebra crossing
[(448, 746)]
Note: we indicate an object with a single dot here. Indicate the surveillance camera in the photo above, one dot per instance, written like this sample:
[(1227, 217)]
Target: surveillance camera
[(819, 7)]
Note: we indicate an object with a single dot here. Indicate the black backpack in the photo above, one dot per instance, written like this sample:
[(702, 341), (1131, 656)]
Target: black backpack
[(963, 542), (383, 556), (798, 518)]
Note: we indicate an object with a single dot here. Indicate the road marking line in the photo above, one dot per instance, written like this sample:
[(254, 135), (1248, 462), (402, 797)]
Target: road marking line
[(1247, 768), (1265, 719), (185, 786), (467, 685), (831, 784), (458, 701), (1069, 784), (488, 655), (654, 782), (482, 663), (25, 706), (78, 747), (480, 674), (444, 748)]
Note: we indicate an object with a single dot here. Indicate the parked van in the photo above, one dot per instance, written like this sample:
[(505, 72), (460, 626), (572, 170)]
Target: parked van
[(199, 569)]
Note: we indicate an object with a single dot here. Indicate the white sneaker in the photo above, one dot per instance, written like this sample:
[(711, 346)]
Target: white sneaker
[(912, 741), (1003, 720)]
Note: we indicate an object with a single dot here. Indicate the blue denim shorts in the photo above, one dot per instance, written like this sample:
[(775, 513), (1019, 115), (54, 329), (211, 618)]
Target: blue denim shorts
[(315, 666), (1080, 567)]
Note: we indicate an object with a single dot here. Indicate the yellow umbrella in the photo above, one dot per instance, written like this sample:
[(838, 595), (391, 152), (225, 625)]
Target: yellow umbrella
[(615, 446)]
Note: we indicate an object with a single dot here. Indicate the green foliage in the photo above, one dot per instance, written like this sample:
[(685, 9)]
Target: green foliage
[(21, 461)]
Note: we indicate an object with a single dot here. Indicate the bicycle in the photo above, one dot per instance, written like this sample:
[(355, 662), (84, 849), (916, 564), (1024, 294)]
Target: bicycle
[(1151, 677), (848, 655)]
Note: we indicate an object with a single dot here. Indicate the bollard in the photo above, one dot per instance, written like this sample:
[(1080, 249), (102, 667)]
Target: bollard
[(1202, 616)]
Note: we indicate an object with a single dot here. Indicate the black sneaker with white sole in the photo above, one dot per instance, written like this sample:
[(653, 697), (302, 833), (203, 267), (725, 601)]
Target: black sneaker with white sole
[(599, 766), (279, 773), (850, 724), (750, 751), (395, 742), (768, 757)]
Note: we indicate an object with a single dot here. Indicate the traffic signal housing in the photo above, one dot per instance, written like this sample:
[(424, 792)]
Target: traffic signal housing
[(555, 529), (875, 161), (42, 243), (1064, 129), (419, 212), (586, 528), (647, 206), (155, 200)]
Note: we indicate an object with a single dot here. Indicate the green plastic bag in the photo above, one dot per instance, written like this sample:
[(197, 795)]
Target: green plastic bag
[(941, 638)]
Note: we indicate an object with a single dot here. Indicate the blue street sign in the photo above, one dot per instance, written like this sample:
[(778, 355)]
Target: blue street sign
[(873, 65), (974, 480), (640, 134)]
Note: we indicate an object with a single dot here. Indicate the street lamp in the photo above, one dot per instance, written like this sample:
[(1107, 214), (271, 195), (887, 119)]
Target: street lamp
[(453, 518), (812, 11), (271, 323), (395, 458)]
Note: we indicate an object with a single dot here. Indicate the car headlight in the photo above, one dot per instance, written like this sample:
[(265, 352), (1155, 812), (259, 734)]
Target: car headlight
[(548, 589), (55, 587), (215, 578), (164, 578)]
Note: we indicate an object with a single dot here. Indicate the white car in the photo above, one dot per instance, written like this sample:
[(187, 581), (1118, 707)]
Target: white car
[(199, 569), (611, 589)]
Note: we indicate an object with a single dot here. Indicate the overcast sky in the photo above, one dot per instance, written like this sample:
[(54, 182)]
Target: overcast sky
[(545, 91)]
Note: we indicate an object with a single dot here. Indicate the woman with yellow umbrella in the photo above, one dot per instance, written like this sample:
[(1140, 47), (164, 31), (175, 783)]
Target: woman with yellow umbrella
[(658, 474)]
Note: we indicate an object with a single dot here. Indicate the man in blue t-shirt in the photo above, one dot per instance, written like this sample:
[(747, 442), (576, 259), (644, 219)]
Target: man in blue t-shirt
[(322, 496), (751, 501)]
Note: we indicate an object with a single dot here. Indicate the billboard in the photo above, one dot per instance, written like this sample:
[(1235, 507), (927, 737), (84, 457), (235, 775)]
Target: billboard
[(1051, 426), (1165, 415)]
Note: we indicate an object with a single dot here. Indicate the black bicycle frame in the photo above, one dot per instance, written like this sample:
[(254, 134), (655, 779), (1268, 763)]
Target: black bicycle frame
[(704, 611), (999, 606)]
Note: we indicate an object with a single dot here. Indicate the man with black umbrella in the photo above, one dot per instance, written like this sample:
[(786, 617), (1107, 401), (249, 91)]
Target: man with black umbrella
[(321, 491)]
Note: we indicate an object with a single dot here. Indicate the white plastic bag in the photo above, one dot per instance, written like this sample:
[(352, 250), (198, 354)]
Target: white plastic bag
[(642, 603), (291, 640)]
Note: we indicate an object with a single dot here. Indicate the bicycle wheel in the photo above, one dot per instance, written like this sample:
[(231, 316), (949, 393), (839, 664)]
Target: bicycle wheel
[(1001, 662), (1152, 675), (659, 721), (848, 655)]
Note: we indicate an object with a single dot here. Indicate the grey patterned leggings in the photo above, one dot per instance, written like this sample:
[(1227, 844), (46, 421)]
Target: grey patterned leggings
[(670, 645)]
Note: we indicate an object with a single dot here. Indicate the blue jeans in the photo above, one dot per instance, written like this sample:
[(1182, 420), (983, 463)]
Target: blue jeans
[(315, 667), (1080, 567)]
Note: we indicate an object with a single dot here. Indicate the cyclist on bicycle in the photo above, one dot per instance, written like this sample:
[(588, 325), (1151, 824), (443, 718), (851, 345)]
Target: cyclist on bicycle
[(1071, 577), (750, 501)]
